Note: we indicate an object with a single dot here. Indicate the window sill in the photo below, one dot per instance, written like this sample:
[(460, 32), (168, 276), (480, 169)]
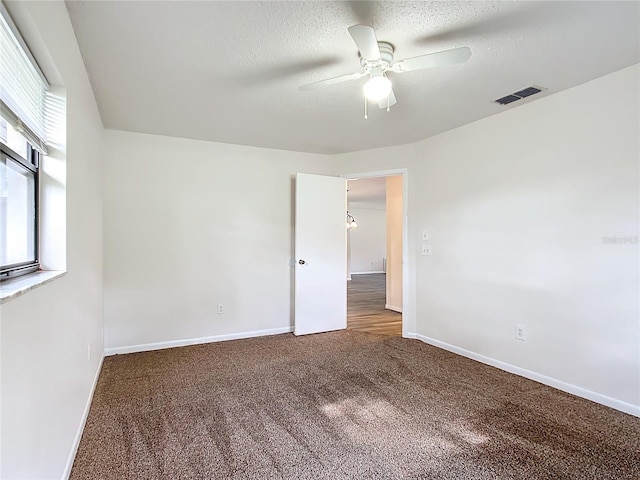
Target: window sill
[(15, 287)]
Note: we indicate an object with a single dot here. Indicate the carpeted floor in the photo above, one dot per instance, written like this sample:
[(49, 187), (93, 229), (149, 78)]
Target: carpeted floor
[(341, 405)]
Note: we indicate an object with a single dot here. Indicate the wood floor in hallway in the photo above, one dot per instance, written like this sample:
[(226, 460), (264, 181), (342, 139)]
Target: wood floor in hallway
[(366, 295)]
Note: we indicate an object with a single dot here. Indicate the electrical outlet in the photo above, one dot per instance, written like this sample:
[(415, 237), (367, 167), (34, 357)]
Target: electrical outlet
[(220, 309), (426, 249), (520, 332)]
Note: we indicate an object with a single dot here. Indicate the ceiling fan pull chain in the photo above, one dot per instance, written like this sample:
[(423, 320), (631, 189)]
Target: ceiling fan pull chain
[(388, 101), (365, 108)]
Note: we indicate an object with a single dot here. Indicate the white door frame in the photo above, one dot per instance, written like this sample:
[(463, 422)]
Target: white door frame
[(408, 310)]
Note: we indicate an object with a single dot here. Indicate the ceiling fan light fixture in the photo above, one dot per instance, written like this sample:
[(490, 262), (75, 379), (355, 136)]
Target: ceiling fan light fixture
[(377, 88)]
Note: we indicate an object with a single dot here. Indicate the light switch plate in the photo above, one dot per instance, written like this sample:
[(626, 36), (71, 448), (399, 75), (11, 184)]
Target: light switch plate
[(426, 249), (425, 235)]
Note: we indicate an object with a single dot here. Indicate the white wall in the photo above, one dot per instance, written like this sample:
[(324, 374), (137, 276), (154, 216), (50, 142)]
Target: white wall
[(368, 241), (46, 375), (190, 225), (517, 206), (394, 243)]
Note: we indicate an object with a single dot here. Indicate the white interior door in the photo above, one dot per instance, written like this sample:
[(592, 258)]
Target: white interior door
[(321, 254)]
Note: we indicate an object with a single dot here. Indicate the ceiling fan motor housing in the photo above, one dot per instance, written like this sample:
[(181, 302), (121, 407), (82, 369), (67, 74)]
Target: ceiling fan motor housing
[(383, 63)]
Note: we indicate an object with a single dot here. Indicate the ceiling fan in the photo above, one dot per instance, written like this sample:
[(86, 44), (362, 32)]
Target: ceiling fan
[(376, 59)]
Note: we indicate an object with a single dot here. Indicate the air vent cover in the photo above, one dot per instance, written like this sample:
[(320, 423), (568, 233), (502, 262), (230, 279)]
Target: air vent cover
[(527, 92), (507, 99)]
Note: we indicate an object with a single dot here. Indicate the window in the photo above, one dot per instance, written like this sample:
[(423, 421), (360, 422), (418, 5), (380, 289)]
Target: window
[(18, 206), (23, 138)]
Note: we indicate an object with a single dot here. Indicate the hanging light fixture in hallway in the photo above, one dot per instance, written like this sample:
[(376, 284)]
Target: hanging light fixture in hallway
[(351, 222)]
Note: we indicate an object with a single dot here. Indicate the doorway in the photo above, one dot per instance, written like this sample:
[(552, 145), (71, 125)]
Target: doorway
[(375, 252)]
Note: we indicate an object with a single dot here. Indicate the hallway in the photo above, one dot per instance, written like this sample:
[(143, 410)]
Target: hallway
[(365, 306)]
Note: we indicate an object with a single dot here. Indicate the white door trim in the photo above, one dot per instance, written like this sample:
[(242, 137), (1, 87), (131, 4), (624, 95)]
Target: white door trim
[(408, 314)]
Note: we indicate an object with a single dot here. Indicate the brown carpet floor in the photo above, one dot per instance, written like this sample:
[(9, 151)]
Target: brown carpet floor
[(341, 405)]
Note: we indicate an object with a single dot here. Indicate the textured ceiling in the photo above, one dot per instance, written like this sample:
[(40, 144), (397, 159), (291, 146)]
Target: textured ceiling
[(229, 71)]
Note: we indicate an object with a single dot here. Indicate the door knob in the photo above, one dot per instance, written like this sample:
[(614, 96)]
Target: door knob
[(301, 262)]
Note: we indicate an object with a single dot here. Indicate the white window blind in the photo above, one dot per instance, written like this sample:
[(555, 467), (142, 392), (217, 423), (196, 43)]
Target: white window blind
[(23, 87)]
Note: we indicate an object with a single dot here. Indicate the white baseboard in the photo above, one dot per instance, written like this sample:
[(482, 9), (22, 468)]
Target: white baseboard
[(410, 335), (194, 341), (550, 381), (367, 273), (395, 309), (83, 422)]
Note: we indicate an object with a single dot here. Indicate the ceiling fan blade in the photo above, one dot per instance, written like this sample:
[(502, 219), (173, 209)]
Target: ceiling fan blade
[(365, 39), (332, 81), (438, 59), (390, 102)]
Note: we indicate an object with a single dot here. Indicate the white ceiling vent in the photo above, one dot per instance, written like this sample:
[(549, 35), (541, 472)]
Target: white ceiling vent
[(514, 97)]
